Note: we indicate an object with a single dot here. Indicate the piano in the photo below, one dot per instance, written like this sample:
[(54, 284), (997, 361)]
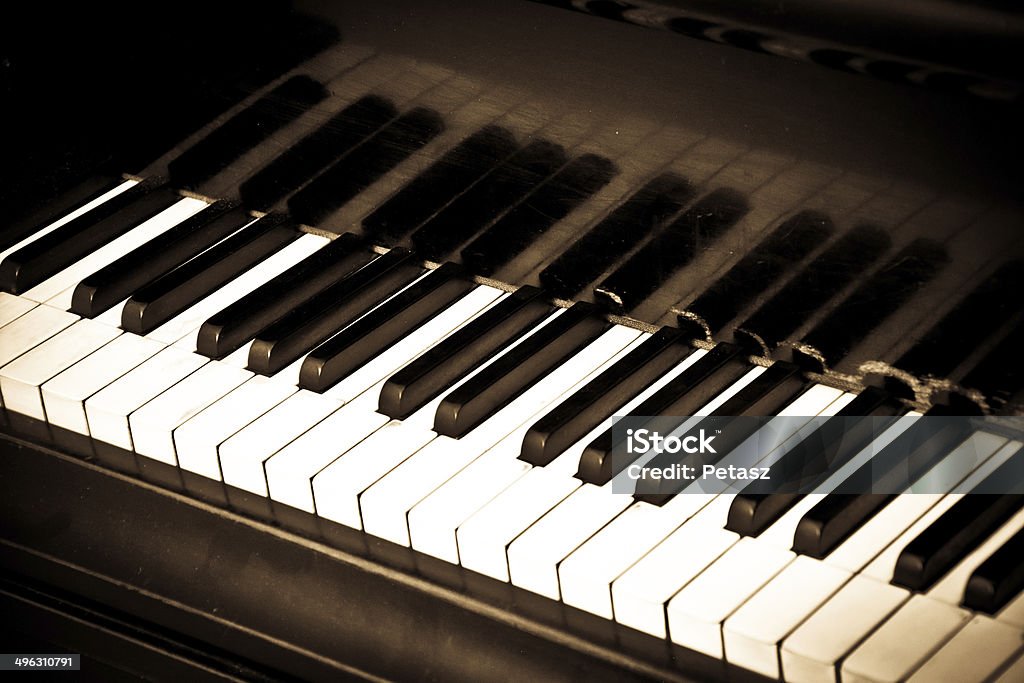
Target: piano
[(315, 318)]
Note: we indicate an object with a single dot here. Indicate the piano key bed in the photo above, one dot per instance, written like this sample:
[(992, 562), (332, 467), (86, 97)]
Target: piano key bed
[(345, 422)]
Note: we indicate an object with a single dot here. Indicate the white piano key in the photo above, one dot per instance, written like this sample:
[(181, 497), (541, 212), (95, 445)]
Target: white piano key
[(386, 505), (196, 440), (153, 424), (64, 396), (58, 289), (107, 411), (751, 635), (12, 307), (242, 456), (112, 316), (434, 519), (348, 482), (483, 539), (1014, 673), (900, 645), (21, 379), (973, 655), (642, 579), (810, 653), (106, 196), (187, 323), (290, 473), (32, 329)]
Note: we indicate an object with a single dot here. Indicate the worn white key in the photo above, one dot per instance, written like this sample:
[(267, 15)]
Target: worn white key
[(900, 645), (810, 653), (12, 307), (242, 456), (187, 323), (196, 440), (153, 424), (21, 379), (32, 329), (58, 289), (386, 505), (106, 196), (107, 411), (973, 655), (290, 473), (64, 396)]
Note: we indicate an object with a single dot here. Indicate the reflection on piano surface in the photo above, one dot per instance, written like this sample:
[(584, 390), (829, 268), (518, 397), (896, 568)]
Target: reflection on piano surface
[(324, 388)]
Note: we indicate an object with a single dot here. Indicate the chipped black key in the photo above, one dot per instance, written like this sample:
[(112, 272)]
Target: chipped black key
[(396, 318), (159, 301), (245, 130), (465, 349), (812, 288), (302, 161), (486, 200), (358, 169), (870, 304), (517, 370), (446, 179), (616, 235), (776, 254), (241, 321), (53, 252), (330, 310), (675, 246), (118, 280), (527, 221), (596, 401)]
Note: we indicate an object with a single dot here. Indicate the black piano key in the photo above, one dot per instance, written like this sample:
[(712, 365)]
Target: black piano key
[(53, 252), (245, 130), (878, 298), (396, 318), (812, 288), (828, 447), (358, 169), (767, 394), (241, 321), (446, 179), (313, 153), (998, 579), (159, 301), (486, 200), (330, 310), (51, 211), (840, 513), (424, 378), (683, 395), (617, 234), (593, 403), (527, 221), (966, 327), (675, 246), (118, 280), (776, 254), (960, 530), (506, 378)]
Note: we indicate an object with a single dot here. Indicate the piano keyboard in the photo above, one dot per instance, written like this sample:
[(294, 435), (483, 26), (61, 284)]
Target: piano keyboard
[(385, 383)]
